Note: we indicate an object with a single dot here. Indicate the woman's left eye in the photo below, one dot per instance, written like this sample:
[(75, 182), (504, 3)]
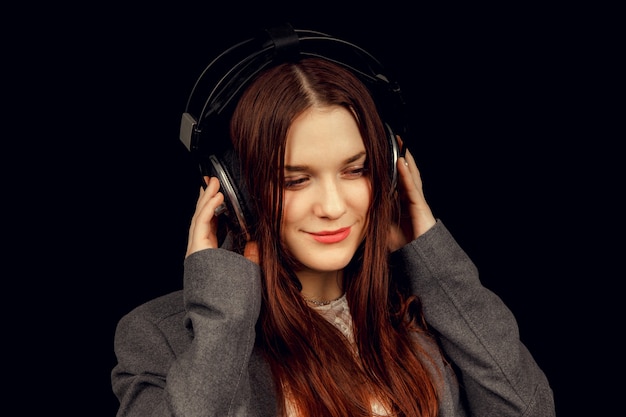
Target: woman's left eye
[(355, 172)]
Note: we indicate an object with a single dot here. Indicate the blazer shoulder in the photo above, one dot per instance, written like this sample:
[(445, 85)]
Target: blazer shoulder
[(165, 308)]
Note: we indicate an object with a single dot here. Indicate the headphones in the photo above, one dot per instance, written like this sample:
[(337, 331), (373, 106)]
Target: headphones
[(204, 124)]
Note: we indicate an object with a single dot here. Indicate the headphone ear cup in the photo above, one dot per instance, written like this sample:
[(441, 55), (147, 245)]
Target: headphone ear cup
[(395, 153), (227, 169)]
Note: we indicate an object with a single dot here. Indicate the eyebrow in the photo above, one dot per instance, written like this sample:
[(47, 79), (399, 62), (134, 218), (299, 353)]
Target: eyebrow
[(298, 168)]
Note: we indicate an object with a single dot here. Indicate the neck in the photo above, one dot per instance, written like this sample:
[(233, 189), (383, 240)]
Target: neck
[(320, 303), (321, 287)]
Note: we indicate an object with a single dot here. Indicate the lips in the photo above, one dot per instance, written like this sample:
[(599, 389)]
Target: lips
[(333, 236)]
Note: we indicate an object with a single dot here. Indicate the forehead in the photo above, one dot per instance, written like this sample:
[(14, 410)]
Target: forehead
[(323, 132)]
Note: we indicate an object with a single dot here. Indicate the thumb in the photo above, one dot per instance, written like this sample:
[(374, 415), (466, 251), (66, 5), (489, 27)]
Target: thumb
[(251, 252)]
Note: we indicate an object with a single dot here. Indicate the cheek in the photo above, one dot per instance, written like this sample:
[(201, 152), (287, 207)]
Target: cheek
[(360, 197), (361, 201), (295, 209)]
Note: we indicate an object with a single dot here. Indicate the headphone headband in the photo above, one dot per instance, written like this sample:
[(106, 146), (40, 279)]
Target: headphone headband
[(232, 70)]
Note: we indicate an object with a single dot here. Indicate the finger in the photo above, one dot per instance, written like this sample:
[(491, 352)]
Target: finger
[(411, 179), (203, 226), (416, 207), (204, 198), (412, 166)]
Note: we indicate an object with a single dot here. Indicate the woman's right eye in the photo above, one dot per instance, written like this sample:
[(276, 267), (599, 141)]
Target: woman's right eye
[(294, 182)]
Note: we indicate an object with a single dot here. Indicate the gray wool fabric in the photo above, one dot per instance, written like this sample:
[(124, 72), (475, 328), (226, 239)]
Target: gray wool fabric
[(191, 352)]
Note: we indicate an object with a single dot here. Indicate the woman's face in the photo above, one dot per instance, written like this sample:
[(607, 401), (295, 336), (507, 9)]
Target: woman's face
[(326, 191)]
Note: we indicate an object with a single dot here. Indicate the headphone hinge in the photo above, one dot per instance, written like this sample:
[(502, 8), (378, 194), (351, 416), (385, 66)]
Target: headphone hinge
[(188, 134)]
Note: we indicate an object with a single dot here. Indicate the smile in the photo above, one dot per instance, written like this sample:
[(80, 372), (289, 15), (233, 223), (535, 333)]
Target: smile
[(332, 236)]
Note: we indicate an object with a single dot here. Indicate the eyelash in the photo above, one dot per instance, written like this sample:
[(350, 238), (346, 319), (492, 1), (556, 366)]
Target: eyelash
[(352, 173), (359, 171)]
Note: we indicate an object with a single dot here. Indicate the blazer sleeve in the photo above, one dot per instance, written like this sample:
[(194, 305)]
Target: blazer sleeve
[(477, 332), (201, 367)]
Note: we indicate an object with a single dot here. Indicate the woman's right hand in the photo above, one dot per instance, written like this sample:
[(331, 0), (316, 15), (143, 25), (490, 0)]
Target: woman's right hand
[(203, 228)]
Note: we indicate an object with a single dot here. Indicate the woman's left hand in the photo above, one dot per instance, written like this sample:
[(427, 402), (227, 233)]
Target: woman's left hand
[(415, 214)]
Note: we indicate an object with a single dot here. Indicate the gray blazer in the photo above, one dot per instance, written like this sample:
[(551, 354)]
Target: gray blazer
[(191, 352)]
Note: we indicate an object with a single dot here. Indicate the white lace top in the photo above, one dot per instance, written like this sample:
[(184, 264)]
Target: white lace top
[(338, 313)]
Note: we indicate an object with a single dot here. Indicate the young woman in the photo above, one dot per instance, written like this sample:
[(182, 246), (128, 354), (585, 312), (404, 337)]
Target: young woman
[(345, 302)]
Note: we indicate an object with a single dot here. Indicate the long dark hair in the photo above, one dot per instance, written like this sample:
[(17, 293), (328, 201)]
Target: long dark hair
[(313, 364)]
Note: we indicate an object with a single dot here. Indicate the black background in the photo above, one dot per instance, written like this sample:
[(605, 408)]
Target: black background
[(502, 102)]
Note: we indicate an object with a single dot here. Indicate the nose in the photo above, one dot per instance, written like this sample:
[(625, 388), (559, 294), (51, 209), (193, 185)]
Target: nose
[(330, 200)]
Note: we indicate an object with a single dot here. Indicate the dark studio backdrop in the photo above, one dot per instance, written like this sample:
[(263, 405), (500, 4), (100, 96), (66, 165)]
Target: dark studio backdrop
[(489, 91)]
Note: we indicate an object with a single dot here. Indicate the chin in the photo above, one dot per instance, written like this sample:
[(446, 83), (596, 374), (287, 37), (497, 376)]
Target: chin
[(324, 258), (327, 262)]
